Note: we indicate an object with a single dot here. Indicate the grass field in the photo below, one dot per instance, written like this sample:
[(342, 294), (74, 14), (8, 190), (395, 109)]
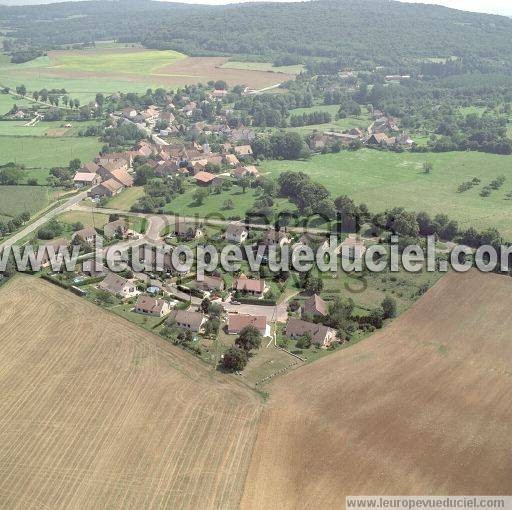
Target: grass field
[(124, 61), (39, 154), (126, 199), (17, 199), (417, 408), (385, 179), (97, 412), (106, 69)]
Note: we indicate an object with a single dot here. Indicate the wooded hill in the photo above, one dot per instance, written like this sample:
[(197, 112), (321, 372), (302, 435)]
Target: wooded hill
[(374, 31)]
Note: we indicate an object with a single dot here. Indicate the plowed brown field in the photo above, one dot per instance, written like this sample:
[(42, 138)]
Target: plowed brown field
[(96, 413), (422, 407)]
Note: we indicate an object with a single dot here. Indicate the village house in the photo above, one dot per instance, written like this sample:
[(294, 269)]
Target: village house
[(380, 139), (231, 160), (193, 321), (243, 150), (315, 306), (254, 287), (239, 321), (241, 171), (115, 228), (210, 284), (89, 168), (118, 286), (274, 237), (352, 248), (108, 188), (318, 141), (148, 305), (82, 180), (129, 113), (236, 233), (56, 245), (205, 178), (219, 93), (186, 230), (320, 335), (86, 235)]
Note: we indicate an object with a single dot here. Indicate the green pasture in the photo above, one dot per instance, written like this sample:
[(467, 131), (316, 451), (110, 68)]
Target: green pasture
[(134, 62), (17, 199), (384, 179)]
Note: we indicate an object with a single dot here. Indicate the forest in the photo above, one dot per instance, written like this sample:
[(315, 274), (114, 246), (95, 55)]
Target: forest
[(364, 32)]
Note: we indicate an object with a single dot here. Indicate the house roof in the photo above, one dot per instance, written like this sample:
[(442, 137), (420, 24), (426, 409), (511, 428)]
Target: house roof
[(315, 305), (275, 236), (114, 283), (123, 177), (236, 229), (210, 282), (149, 304), (193, 319), (182, 227), (111, 185), (114, 225), (250, 285), (91, 167), (112, 165), (86, 232), (84, 177), (205, 177), (297, 327), (238, 321), (243, 150)]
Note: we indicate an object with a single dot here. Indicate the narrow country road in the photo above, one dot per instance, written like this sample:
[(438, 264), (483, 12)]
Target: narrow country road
[(70, 203)]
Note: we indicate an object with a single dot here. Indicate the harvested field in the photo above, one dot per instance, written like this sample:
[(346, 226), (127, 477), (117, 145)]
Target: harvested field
[(422, 407), (97, 413), (108, 70)]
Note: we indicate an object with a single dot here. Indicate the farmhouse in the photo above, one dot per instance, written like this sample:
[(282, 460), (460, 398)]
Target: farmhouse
[(274, 237), (204, 178), (236, 233), (243, 150), (352, 247), (231, 160), (315, 306), (115, 228), (192, 321), (147, 305), (85, 179), (118, 286), (108, 188), (239, 321), (210, 283), (240, 171), (86, 235), (186, 230), (254, 287), (320, 335), (89, 168), (55, 245)]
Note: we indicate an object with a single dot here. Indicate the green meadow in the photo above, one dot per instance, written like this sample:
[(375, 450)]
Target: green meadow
[(134, 62), (39, 154), (386, 179), (17, 199)]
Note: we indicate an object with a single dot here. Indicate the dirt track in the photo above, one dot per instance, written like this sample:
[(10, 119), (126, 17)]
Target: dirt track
[(423, 407), (97, 413)]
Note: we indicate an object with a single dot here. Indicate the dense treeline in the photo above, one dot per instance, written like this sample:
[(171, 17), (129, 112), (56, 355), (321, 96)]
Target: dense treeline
[(371, 31)]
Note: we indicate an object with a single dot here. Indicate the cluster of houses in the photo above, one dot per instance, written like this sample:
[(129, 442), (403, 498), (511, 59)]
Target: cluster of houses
[(383, 131)]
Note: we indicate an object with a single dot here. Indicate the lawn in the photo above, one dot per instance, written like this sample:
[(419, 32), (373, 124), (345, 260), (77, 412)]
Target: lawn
[(213, 204), (126, 199), (263, 66), (43, 153), (125, 61), (87, 219), (17, 199), (7, 102), (386, 179)]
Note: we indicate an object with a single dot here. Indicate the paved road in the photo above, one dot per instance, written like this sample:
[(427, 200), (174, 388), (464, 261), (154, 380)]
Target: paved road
[(164, 220), (69, 204)]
